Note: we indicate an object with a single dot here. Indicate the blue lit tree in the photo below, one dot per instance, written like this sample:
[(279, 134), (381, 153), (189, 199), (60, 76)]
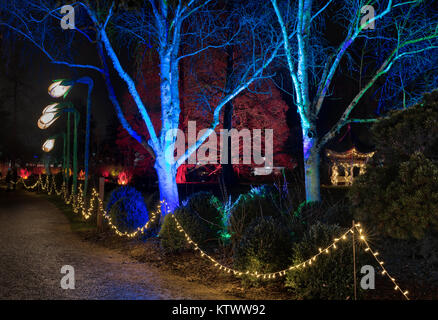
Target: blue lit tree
[(174, 29), (398, 41)]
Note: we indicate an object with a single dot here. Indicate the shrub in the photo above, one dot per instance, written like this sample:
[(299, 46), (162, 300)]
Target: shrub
[(257, 203), (399, 201), (171, 239), (265, 246), (202, 205), (398, 195), (339, 213), (331, 276), (428, 249), (407, 131), (309, 213), (128, 212), (198, 217), (123, 192)]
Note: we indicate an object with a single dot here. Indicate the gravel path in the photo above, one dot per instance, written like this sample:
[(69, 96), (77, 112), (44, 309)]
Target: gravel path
[(36, 241)]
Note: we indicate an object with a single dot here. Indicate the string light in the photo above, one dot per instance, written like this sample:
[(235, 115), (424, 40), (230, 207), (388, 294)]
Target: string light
[(255, 274), (304, 264), (78, 204), (380, 262)]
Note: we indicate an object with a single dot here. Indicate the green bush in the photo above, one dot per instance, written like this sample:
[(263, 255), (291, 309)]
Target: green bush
[(407, 131), (172, 240), (331, 275), (198, 217), (128, 212), (399, 201), (398, 194), (309, 213), (265, 246), (257, 203), (202, 205)]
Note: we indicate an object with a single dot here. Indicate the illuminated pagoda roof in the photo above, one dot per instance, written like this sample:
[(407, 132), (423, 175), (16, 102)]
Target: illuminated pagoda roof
[(352, 153), (351, 146)]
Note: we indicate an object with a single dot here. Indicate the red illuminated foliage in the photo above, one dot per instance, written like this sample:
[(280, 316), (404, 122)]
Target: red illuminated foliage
[(264, 110)]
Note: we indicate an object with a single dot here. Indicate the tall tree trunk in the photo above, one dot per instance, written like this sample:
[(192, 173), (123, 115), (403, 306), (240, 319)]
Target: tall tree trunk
[(311, 168), (167, 184), (170, 113)]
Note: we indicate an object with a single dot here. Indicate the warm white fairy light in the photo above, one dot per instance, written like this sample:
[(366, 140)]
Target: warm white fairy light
[(78, 205), (379, 261), (255, 274)]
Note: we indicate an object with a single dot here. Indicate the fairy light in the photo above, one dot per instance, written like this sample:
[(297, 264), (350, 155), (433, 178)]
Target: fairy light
[(78, 204), (298, 266), (380, 262), (255, 274)]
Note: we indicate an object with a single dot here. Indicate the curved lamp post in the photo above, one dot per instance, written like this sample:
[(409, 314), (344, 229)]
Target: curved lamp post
[(50, 114), (61, 88)]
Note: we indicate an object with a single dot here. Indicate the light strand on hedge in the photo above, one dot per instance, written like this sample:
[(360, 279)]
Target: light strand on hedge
[(139, 230), (304, 264), (78, 204), (255, 274), (379, 261)]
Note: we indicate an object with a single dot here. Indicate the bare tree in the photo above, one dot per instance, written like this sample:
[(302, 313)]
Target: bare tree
[(403, 32), (165, 26)]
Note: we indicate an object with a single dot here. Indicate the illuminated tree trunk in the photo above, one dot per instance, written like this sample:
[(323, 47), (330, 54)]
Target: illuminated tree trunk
[(167, 185), (311, 169), (170, 113)]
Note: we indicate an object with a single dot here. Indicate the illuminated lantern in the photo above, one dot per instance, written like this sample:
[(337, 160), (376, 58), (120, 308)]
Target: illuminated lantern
[(48, 145), (56, 90), (123, 179), (81, 175)]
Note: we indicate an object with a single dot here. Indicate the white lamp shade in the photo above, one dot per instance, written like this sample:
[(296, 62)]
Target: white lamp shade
[(46, 120), (48, 145), (56, 90)]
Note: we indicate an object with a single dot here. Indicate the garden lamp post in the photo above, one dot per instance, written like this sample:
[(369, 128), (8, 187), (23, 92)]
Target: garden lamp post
[(61, 88), (50, 114)]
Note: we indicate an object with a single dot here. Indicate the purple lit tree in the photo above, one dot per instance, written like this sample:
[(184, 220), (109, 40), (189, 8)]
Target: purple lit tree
[(397, 38)]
